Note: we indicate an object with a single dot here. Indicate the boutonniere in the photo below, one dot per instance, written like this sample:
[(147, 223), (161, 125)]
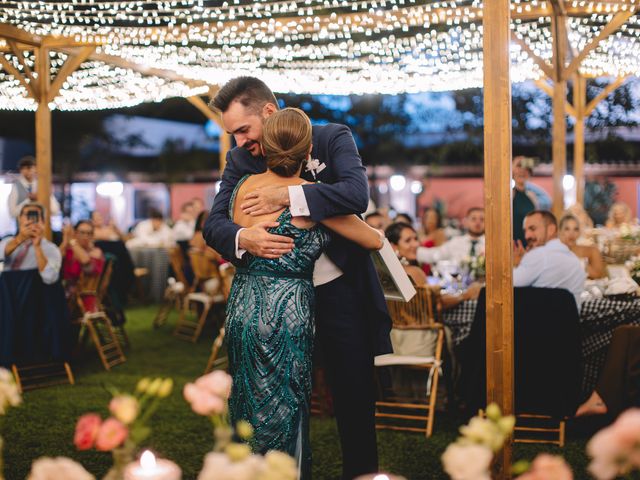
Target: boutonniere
[(314, 166)]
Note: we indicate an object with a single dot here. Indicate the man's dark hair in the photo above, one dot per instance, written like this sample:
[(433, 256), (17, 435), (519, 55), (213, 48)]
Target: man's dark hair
[(251, 92), (26, 162), (547, 217), (474, 209), (372, 215), (37, 205), (83, 222), (404, 218), (156, 215)]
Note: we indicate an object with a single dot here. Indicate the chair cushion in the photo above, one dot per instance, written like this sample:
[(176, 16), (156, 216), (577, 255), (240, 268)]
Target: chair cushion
[(393, 359), (414, 342)]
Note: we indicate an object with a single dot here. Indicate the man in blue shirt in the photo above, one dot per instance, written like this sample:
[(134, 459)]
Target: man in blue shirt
[(547, 262), (29, 250)]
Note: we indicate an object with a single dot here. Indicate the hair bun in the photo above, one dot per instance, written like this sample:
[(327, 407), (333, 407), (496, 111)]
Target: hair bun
[(286, 140)]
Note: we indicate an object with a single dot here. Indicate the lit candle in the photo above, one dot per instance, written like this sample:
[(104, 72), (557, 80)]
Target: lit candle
[(380, 476), (150, 468)]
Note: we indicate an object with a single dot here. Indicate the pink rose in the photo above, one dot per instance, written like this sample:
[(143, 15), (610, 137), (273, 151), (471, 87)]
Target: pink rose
[(202, 401), (216, 382), (86, 431), (112, 434), (616, 449), (548, 467)]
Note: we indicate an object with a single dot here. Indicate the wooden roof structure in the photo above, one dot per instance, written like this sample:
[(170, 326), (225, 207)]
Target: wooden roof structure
[(80, 54)]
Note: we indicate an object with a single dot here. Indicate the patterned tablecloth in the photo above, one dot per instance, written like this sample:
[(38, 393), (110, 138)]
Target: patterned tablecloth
[(598, 319), (156, 260)]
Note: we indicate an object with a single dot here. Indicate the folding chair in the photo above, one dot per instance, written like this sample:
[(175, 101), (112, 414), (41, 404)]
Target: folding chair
[(226, 271), (205, 270), (176, 289), (95, 319), (417, 339)]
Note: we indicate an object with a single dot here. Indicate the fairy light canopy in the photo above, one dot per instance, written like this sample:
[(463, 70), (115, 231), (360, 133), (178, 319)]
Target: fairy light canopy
[(308, 46)]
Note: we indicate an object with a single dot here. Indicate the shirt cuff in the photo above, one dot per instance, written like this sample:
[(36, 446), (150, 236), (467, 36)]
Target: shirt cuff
[(298, 203), (239, 251)]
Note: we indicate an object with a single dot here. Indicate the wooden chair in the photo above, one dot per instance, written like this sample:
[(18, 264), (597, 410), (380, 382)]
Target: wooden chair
[(416, 322), (204, 269), (226, 272), (44, 375), (96, 321), (175, 292)]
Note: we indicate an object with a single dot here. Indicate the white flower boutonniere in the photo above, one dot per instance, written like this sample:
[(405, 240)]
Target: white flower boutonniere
[(314, 166)]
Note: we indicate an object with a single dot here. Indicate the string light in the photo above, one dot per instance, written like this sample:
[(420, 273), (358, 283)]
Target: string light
[(301, 46)]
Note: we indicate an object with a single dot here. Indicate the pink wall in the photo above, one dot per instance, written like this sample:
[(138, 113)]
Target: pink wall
[(183, 192), (459, 194)]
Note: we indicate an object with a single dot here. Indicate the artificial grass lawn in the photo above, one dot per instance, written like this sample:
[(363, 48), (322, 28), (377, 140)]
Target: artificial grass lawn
[(44, 424)]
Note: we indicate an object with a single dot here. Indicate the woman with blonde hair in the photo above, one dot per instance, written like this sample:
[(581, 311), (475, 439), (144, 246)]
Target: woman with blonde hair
[(569, 232), (619, 215), (270, 312)]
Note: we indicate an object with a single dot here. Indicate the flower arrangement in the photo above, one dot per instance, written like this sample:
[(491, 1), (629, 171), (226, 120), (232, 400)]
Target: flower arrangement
[(9, 397), (615, 450), (46, 468), (231, 459), (127, 427), (633, 265), (470, 456)]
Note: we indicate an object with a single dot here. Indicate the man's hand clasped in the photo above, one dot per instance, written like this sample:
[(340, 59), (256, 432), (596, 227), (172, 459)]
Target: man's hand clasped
[(260, 243), (265, 200)]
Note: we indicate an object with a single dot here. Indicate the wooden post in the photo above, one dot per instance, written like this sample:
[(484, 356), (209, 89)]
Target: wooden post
[(559, 133), (43, 135), (580, 104), (225, 146), (497, 194)]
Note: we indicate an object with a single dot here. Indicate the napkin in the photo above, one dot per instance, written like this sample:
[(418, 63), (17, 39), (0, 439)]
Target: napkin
[(621, 285)]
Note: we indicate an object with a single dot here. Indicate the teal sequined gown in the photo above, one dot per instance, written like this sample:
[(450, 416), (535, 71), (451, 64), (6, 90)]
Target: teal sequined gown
[(269, 331)]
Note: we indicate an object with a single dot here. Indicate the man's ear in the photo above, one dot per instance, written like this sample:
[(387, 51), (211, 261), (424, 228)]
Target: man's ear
[(269, 109)]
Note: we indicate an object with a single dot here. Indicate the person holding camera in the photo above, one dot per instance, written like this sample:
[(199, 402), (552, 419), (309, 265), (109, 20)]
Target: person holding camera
[(25, 187), (29, 249)]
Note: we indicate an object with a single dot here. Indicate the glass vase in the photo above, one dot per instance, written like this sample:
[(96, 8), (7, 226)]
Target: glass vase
[(122, 456)]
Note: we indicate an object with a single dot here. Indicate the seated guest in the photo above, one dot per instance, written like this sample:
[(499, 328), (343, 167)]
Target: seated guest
[(547, 262), (185, 225), (403, 218), (458, 248), (197, 242), (432, 233), (105, 231), (618, 385), (152, 233), (376, 220), (619, 215), (80, 257), (569, 233), (578, 211), (404, 241), (197, 206), (29, 249)]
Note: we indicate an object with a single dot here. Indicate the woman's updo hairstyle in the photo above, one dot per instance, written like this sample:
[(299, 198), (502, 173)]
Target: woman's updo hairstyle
[(286, 141)]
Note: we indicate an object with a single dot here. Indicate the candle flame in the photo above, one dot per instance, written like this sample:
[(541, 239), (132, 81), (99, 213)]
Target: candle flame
[(148, 460), (382, 476)]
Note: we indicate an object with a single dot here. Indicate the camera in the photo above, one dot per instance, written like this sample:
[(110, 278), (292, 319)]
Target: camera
[(33, 216)]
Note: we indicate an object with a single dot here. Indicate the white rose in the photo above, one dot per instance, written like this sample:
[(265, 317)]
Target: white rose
[(218, 466), (483, 431), (279, 466), (467, 461), (46, 468)]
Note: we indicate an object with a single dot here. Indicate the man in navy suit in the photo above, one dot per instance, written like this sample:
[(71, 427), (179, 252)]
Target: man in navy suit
[(352, 322)]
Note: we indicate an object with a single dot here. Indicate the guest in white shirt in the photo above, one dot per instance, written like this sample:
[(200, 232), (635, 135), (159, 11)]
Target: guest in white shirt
[(25, 187), (185, 226), (152, 233), (547, 262), (29, 250), (458, 248)]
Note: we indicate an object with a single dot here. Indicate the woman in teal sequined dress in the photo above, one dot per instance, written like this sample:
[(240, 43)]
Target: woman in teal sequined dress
[(270, 311)]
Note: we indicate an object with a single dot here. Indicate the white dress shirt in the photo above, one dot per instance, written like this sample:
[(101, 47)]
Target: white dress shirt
[(51, 271), (552, 265), (184, 229), (145, 236), (14, 206), (456, 249), (325, 270)]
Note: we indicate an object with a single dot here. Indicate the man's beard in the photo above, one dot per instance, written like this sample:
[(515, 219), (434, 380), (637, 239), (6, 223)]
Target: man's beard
[(249, 146)]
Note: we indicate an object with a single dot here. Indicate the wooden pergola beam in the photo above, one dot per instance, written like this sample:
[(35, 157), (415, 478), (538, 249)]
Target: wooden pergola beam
[(43, 135), (606, 91), (13, 33), (616, 22), (225, 138), (548, 89), (70, 65), (20, 56), (544, 66), (559, 100), (579, 101), (497, 198), (32, 88)]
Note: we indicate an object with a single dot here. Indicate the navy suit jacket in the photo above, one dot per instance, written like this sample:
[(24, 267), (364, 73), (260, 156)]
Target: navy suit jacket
[(343, 190)]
